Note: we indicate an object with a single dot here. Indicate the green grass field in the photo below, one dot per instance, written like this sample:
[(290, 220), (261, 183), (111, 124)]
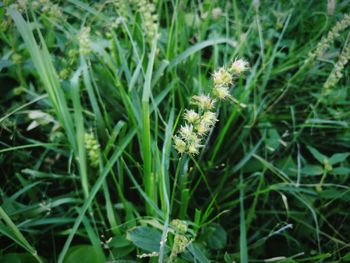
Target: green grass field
[(174, 131)]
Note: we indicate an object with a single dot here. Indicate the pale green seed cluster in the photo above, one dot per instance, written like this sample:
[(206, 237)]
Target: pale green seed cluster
[(147, 11), (20, 5), (84, 41), (45, 7), (55, 11), (93, 149), (122, 7), (336, 73), (68, 64), (116, 23), (325, 43), (180, 244), (179, 226), (200, 121), (181, 241), (17, 58), (48, 8)]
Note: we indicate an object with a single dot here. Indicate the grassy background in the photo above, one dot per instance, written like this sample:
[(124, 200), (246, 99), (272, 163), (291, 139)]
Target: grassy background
[(272, 181)]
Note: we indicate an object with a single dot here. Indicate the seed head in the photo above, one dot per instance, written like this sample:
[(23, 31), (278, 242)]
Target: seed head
[(204, 102), (222, 77), (239, 66), (221, 92), (84, 40), (202, 129), (193, 149), (93, 148), (187, 133), (209, 118), (216, 13), (179, 226), (191, 116), (179, 144)]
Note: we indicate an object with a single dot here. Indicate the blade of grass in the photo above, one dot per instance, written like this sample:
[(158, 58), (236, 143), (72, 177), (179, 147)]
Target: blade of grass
[(242, 226), (80, 133), (197, 47), (165, 187), (13, 232), (149, 180)]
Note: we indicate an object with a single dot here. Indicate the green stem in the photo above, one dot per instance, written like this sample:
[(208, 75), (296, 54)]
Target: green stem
[(147, 161), (319, 187)]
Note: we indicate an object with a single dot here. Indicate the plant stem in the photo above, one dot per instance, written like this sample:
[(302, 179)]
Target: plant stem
[(147, 161)]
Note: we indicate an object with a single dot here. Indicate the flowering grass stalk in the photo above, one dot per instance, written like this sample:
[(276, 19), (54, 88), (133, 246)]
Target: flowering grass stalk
[(199, 121)]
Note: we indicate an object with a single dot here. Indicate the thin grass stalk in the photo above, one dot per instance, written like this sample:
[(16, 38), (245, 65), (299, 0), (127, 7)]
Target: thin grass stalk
[(243, 232), (147, 153), (149, 180)]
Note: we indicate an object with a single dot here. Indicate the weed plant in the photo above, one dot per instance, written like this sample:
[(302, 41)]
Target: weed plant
[(114, 146)]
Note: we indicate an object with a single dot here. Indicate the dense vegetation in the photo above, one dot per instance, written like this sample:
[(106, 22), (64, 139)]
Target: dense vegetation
[(93, 95)]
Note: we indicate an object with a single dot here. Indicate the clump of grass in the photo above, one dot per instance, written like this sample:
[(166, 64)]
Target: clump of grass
[(101, 181)]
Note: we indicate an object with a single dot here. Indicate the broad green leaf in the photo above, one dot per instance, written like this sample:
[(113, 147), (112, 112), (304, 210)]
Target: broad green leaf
[(318, 156), (82, 253), (118, 242), (335, 194), (338, 157), (312, 169), (122, 252), (341, 171), (218, 238), (346, 258), (120, 247), (146, 238)]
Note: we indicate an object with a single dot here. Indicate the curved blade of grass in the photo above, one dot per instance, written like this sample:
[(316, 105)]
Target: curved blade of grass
[(242, 226), (43, 64), (149, 179), (22, 106), (95, 241), (91, 94), (80, 132), (197, 47), (165, 183), (13, 232)]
